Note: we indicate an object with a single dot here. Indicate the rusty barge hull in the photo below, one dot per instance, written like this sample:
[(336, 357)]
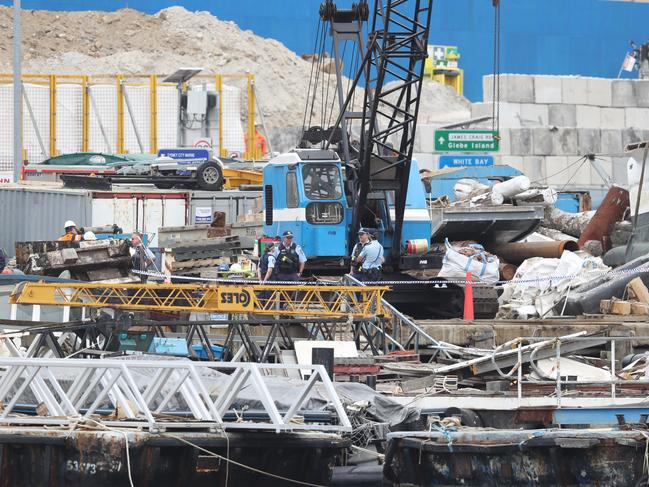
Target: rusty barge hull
[(477, 457), (61, 458)]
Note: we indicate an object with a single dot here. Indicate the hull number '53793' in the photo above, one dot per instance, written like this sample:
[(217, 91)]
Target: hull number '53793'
[(235, 298)]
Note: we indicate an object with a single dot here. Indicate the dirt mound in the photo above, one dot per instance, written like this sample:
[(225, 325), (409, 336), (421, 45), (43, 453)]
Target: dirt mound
[(131, 42)]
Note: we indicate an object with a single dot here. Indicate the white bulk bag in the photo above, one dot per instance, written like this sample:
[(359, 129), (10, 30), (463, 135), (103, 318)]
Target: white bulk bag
[(486, 268)]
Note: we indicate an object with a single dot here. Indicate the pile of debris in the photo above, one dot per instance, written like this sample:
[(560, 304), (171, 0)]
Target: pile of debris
[(202, 258), (596, 232), (573, 263), (107, 261), (585, 361), (636, 300), (557, 263), (541, 284), (517, 190), (207, 251)]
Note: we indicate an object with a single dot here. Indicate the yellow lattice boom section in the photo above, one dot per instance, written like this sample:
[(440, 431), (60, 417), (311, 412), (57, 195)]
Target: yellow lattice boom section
[(291, 300)]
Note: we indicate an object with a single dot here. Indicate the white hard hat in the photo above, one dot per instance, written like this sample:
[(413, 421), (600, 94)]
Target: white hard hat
[(236, 267), (69, 223), (89, 235)]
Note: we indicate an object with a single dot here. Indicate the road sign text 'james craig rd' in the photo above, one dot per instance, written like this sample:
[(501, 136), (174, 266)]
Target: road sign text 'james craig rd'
[(466, 141)]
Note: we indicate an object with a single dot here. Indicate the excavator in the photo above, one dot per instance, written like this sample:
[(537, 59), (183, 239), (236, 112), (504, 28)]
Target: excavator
[(360, 171)]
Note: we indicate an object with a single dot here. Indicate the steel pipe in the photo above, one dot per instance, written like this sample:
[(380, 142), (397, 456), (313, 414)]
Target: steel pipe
[(611, 210), (516, 253), (507, 271)]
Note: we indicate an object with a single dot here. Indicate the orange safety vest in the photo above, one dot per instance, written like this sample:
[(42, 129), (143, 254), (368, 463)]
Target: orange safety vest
[(260, 147), (70, 237)]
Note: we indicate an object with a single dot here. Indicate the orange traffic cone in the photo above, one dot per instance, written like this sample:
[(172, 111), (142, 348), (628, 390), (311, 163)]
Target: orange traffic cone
[(468, 297)]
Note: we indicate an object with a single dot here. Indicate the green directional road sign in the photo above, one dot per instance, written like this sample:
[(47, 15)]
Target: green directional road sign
[(466, 141)]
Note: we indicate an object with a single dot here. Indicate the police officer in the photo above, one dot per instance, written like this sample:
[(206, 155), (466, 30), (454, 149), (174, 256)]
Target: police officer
[(267, 263), (363, 240), (290, 259), (367, 264)]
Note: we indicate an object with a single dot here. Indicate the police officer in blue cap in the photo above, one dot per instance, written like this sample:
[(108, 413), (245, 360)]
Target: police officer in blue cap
[(289, 259), (367, 257), (267, 263)]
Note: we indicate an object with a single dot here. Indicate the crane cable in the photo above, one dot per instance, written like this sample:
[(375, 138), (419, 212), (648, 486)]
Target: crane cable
[(325, 102), (308, 94), (495, 115), (318, 71)]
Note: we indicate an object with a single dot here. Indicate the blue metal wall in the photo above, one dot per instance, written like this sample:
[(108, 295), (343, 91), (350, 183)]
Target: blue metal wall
[(586, 37)]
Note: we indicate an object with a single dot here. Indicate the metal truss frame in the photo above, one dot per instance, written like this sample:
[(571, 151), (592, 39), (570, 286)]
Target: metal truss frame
[(111, 383)]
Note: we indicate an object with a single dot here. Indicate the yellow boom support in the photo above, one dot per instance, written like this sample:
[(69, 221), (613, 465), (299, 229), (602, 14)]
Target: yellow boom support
[(291, 300)]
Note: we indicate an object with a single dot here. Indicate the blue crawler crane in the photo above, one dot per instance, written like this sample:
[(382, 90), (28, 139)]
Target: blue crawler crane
[(359, 172), (304, 193)]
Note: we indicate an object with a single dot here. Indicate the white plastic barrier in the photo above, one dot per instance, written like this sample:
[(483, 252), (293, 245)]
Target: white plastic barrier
[(69, 117), (103, 106), (233, 135), (7, 132), (139, 99), (167, 116)]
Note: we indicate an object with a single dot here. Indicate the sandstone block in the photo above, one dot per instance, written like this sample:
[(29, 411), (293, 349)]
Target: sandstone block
[(555, 170), (562, 115), (599, 92), (637, 117), (565, 142), (589, 141), (542, 141), (547, 89), (521, 141), (514, 88), (611, 142), (622, 93), (533, 115), (574, 90), (613, 118), (534, 167), (641, 93), (588, 116)]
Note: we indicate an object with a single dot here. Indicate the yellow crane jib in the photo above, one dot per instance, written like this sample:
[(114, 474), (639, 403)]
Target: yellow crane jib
[(291, 300)]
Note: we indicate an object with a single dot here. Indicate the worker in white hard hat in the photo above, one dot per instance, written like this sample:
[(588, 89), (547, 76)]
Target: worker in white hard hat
[(72, 234)]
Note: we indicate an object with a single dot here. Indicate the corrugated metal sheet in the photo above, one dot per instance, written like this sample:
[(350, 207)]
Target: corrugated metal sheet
[(39, 214)]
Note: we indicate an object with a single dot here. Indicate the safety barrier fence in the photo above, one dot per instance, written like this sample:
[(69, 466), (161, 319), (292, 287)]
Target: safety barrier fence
[(117, 113), (429, 282)]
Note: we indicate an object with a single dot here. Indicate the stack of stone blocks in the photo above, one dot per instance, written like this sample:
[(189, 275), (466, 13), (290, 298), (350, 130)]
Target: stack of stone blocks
[(549, 122)]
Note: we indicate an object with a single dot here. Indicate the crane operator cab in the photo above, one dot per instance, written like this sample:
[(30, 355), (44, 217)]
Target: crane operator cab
[(305, 192)]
